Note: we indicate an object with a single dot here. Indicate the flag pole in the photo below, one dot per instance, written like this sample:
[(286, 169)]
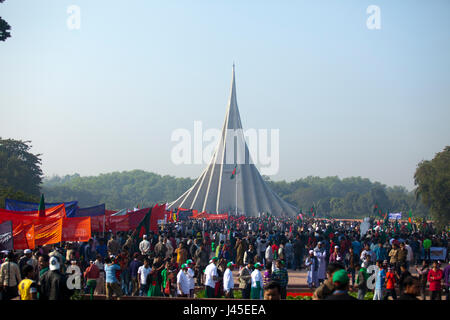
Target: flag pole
[(236, 197)]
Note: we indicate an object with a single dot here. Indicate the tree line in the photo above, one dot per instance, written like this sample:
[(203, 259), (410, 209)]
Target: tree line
[(21, 178), (330, 196)]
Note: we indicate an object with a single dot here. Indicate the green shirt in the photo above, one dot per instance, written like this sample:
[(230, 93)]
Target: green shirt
[(426, 244)]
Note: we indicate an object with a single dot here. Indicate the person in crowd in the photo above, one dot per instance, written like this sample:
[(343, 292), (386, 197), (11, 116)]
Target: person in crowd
[(298, 248), (211, 277), (182, 254), (27, 258), (380, 280), (91, 276), (411, 289), (404, 273), (352, 262), (446, 281), (380, 252), (336, 255), (113, 246), (435, 276), (402, 257), (28, 287), (53, 283), (124, 261), (250, 254), (245, 280), (183, 282), (142, 273), (391, 280), (272, 291), (112, 283), (393, 255), (321, 254), (426, 244), (201, 261), (257, 282), (423, 277), (280, 275), (312, 265), (154, 278), (9, 277), (361, 283), (191, 277), (327, 287), (267, 274), (268, 256), (144, 246), (135, 264), (160, 248), (228, 282), (289, 252), (341, 286)]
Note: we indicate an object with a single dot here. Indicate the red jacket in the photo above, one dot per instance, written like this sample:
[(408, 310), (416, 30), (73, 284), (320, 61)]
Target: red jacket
[(92, 272), (434, 278)]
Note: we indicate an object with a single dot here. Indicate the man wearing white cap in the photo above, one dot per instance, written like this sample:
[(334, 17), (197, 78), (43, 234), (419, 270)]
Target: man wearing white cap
[(228, 281), (27, 259), (335, 256), (54, 283), (312, 264), (321, 255)]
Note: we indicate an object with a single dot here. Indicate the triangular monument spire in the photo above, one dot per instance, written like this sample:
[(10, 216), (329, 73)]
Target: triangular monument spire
[(246, 193)]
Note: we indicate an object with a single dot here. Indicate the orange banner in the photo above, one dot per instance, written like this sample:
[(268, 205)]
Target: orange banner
[(49, 232), (23, 236), (76, 229)]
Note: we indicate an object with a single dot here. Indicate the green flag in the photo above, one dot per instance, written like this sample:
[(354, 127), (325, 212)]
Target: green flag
[(410, 227), (233, 174), (386, 219), (145, 223), (42, 207)]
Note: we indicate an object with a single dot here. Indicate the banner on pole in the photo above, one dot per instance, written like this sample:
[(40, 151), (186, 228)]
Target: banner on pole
[(6, 236)]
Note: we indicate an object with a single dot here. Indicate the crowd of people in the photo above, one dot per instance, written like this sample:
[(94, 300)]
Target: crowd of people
[(190, 254)]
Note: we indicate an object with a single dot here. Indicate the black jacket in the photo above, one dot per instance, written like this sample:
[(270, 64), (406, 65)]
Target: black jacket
[(53, 286)]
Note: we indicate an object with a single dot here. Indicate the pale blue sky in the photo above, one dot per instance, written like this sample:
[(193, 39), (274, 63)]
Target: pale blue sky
[(348, 101)]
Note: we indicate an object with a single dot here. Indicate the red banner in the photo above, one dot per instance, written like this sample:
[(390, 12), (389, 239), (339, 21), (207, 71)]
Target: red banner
[(23, 236), (29, 216), (157, 214), (76, 229), (223, 216)]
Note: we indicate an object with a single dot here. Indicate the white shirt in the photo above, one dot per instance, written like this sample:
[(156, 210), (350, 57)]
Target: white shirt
[(269, 253), (410, 255), (228, 282), (257, 277), (190, 276), (182, 282), (144, 246), (143, 273), (210, 271)]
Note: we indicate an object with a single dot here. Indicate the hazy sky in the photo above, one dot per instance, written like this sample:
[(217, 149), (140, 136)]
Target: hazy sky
[(348, 101)]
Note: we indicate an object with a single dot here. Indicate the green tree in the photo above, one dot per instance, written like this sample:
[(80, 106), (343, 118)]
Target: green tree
[(4, 28), (432, 178), (20, 170)]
